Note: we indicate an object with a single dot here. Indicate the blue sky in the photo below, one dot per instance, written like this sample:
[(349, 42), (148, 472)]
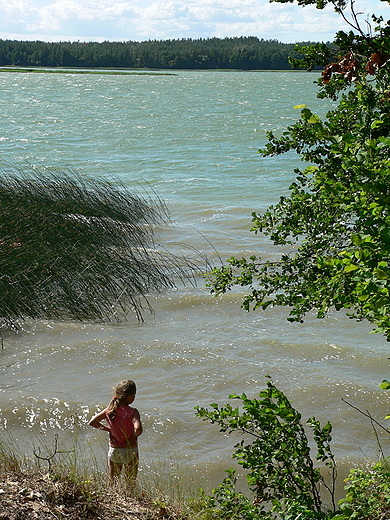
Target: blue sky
[(138, 20)]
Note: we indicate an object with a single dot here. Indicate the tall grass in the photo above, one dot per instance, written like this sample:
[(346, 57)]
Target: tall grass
[(168, 480), (74, 471), (12, 459), (79, 248)]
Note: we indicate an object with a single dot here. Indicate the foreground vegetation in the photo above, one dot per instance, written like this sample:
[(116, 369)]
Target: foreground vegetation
[(248, 53), (31, 491), (332, 229), (291, 474)]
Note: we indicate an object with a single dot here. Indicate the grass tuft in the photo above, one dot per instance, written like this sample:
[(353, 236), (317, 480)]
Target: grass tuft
[(71, 490)]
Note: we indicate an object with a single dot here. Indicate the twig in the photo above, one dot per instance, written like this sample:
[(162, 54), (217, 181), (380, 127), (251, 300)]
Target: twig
[(377, 438), (50, 457), (366, 414)]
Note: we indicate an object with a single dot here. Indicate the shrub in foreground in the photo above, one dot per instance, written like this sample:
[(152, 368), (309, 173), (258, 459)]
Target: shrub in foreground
[(282, 477), (367, 494)]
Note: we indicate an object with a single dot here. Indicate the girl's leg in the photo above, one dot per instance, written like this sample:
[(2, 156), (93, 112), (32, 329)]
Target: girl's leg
[(114, 470)]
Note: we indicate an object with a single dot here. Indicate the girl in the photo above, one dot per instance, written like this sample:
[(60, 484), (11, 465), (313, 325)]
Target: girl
[(124, 426)]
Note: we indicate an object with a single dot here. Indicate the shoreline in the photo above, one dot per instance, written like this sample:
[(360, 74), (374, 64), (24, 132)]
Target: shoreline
[(37, 495), (83, 71)]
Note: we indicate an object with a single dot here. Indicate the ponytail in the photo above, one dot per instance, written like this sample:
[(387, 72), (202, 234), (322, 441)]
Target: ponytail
[(121, 393), (113, 407)]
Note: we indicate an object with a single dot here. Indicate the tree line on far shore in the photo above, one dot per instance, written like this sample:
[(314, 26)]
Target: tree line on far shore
[(249, 53)]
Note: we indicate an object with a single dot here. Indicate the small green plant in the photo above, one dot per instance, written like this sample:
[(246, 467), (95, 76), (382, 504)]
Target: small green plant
[(368, 493), (275, 451), (225, 502)]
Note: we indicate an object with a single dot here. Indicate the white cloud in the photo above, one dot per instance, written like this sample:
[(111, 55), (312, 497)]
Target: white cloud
[(56, 20)]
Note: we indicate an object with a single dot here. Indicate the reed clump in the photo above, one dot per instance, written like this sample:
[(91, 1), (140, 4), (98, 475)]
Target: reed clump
[(79, 248)]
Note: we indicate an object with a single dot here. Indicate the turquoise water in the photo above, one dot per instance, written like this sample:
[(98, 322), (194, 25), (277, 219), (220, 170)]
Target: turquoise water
[(193, 137)]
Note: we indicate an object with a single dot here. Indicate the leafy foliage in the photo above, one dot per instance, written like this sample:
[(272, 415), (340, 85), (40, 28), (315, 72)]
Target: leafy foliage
[(225, 503), (368, 494), (333, 228), (78, 248), (275, 451)]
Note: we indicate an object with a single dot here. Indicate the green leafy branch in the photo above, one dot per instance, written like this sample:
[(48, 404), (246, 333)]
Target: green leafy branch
[(275, 451)]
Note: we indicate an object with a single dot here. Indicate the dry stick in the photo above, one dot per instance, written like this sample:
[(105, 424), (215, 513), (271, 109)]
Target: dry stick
[(377, 439), (373, 422), (366, 414), (48, 459)]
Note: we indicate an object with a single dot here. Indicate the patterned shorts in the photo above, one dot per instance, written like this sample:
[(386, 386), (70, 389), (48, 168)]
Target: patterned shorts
[(122, 455)]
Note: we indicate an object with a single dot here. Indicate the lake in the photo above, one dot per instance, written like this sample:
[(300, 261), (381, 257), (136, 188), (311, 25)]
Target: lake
[(193, 137)]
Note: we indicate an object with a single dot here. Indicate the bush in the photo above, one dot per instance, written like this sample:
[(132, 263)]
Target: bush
[(368, 494), (282, 477)]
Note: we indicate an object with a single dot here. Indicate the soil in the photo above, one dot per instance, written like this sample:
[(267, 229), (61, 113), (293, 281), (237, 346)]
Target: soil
[(40, 497)]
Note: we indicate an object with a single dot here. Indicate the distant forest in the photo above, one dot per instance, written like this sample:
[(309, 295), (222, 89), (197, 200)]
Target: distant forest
[(248, 53)]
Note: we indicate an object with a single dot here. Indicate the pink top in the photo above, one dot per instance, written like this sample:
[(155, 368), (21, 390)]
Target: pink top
[(122, 427)]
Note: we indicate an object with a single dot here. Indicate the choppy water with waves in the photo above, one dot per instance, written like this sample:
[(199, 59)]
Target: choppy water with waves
[(193, 137)]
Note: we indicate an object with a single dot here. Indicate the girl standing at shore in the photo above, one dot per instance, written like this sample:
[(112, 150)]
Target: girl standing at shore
[(124, 425)]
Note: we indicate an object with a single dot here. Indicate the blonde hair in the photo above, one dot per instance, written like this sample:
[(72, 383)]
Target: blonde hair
[(121, 392)]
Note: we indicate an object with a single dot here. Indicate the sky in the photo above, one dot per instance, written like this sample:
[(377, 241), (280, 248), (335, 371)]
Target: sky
[(140, 20)]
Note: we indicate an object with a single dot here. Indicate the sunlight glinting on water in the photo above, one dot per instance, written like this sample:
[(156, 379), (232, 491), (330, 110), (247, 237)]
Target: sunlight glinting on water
[(193, 137)]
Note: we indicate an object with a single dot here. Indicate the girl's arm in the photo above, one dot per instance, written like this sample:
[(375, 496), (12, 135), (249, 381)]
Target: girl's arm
[(137, 428), (96, 421), (137, 424)]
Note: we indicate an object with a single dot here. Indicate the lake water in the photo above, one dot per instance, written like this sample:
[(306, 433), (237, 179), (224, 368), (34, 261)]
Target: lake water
[(193, 137)]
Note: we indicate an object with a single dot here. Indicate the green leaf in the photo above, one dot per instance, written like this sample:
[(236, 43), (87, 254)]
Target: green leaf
[(350, 267), (381, 274), (385, 385), (313, 119)]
